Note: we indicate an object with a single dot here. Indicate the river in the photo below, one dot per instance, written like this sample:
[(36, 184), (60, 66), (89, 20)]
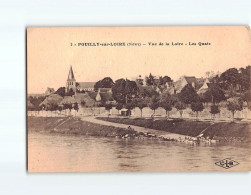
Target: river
[(69, 153)]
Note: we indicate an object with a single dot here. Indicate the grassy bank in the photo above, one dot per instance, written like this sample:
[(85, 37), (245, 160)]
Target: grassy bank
[(221, 131), (74, 126)]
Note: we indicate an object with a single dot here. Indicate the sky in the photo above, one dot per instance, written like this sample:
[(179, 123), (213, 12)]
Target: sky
[(50, 54)]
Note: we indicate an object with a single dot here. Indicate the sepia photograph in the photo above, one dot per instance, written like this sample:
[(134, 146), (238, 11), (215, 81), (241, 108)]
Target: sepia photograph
[(138, 99)]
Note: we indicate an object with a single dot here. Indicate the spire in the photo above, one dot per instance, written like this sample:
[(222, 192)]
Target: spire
[(71, 75)]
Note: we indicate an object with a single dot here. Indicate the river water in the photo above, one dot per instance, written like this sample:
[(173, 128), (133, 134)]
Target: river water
[(68, 153)]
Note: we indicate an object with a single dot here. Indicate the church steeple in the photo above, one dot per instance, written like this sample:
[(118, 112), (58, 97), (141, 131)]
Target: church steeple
[(71, 75), (71, 81)]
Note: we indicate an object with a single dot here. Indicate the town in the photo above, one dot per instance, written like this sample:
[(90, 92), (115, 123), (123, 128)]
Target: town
[(224, 96)]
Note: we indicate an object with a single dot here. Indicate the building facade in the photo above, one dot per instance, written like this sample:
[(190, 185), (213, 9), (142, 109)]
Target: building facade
[(71, 83)]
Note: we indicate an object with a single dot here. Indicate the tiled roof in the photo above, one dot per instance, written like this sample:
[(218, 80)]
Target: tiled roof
[(85, 85), (52, 99), (183, 81), (78, 98), (104, 90)]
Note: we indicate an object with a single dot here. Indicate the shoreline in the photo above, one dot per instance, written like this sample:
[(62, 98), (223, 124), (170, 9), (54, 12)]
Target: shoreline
[(101, 127), (208, 131)]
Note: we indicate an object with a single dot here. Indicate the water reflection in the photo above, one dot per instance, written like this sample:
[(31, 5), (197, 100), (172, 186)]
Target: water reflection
[(64, 153)]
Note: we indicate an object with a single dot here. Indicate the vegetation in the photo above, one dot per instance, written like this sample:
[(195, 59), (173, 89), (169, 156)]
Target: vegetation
[(106, 82), (224, 130), (75, 107), (197, 107), (108, 107), (180, 106), (124, 90), (130, 106), (234, 104), (214, 94), (214, 110), (230, 89), (74, 127), (188, 95), (119, 107), (141, 104), (161, 80), (61, 91), (154, 104), (35, 102), (167, 102)]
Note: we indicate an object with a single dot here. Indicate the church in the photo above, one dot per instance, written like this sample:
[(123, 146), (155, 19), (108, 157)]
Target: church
[(71, 83)]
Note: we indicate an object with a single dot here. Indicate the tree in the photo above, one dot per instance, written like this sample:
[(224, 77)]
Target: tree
[(68, 106), (108, 107), (154, 104), (214, 94), (119, 106), (55, 108), (216, 79), (180, 106), (197, 107), (123, 90), (59, 108), (148, 92), (70, 92), (246, 98), (106, 82), (234, 104), (118, 91), (188, 95), (61, 91), (64, 107), (214, 110), (131, 90), (150, 79), (141, 104), (167, 102), (245, 78), (75, 107), (231, 77), (164, 80), (36, 101), (51, 107), (129, 107)]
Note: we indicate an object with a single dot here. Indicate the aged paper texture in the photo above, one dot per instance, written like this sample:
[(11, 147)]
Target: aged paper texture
[(138, 99)]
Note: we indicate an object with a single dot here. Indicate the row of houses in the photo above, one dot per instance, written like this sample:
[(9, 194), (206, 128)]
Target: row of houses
[(199, 84), (87, 99), (84, 91)]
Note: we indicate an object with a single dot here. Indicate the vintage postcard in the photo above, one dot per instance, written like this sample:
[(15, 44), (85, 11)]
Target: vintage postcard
[(138, 99)]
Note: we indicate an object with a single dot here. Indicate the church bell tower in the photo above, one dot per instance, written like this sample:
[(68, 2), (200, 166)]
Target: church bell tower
[(71, 81)]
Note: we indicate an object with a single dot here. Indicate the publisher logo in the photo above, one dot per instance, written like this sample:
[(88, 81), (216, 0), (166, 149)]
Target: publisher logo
[(227, 163)]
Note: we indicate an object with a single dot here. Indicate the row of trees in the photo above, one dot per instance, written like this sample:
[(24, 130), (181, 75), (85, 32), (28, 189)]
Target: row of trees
[(169, 102), (187, 97), (55, 107), (129, 95)]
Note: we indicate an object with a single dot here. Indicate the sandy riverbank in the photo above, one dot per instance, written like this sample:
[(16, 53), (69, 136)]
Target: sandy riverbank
[(74, 126), (220, 131), (174, 130)]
